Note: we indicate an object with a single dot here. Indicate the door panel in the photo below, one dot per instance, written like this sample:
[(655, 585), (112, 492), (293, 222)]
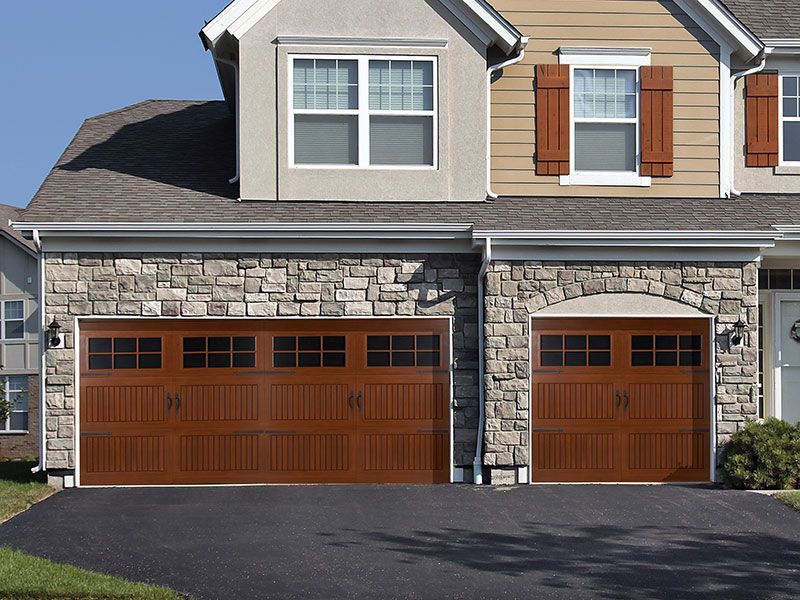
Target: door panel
[(789, 362), (640, 414), (263, 401)]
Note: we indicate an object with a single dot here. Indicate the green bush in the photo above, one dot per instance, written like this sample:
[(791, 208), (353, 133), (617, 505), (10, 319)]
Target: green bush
[(763, 456)]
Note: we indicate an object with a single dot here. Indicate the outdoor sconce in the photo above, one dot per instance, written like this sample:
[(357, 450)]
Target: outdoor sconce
[(737, 333), (54, 339)]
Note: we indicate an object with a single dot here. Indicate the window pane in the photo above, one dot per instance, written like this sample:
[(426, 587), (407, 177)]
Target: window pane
[(333, 359), (403, 359), (790, 87), (642, 359), (666, 342), (605, 147), (791, 141), (194, 361), (283, 359), (308, 360), (642, 342), (600, 359), (309, 343), (15, 330), (14, 310), (285, 343), (666, 359), (326, 140), (378, 342), (428, 359), (552, 359), (605, 94), (124, 344), (790, 107), (244, 344), (400, 85), (149, 361), (219, 344), (600, 342), (149, 344), (219, 361), (325, 84), (780, 279), (401, 140), (100, 346), (244, 360), (378, 359), (100, 361), (125, 361), (575, 359), (427, 342), (17, 383), (402, 342), (19, 421), (333, 342), (575, 342), (194, 344), (552, 342)]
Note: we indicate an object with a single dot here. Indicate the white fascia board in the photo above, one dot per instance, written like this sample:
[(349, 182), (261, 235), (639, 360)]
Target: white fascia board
[(719, 22), (689, 239), (485, 23), (254, 230)]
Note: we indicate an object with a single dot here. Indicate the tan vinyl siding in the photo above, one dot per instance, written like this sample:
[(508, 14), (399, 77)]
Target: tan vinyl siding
[(674, 39)]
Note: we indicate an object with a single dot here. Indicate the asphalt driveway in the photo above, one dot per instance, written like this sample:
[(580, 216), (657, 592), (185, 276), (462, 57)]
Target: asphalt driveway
[(426, 542)]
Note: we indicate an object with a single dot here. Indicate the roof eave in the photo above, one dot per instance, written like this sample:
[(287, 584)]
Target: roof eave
[(714, 17)]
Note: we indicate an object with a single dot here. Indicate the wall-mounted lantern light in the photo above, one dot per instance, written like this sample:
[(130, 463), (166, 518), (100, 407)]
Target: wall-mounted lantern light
[(737, 333), (54, 337)]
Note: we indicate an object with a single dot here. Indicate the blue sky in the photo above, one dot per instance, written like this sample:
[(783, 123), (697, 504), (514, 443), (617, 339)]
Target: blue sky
[(66, 60)]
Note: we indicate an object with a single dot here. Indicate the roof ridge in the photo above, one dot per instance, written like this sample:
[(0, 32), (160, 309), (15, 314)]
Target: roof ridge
[(130, 107)]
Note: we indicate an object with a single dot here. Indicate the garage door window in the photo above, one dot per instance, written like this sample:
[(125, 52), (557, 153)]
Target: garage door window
[(124, 353), (221, 352), (667, 350), (403, 351), (309, 351), (575, 351)]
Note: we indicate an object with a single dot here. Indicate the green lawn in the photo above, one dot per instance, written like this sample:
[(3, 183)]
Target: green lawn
[(25, 577), (19, 488), (790, 498)]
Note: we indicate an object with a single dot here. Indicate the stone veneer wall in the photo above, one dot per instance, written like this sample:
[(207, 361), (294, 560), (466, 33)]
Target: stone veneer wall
[(259, 285), (517, 290)]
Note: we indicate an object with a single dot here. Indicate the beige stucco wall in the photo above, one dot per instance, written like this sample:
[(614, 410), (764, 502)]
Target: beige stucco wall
[(265, 173), (19, 281), (762, 179), (674, 39)]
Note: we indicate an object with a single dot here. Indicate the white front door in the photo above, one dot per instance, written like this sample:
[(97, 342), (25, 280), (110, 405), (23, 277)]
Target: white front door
[(788, 359)]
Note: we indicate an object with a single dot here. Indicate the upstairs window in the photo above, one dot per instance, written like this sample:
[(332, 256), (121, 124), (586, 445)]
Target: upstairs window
[(605, 120), (369, 112), (13, 319), (790, 126)]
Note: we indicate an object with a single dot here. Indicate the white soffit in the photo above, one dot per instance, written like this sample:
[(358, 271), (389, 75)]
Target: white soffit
[(482, 20)]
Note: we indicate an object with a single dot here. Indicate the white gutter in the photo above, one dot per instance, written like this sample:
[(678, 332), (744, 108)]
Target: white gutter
[(725, 122), (711, 239), (762, 65), (489, 73), (477, 464), (235, 66), (42, 466)]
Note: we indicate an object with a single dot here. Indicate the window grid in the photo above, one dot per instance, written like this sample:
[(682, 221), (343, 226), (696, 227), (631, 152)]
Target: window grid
[(404, 350), (370, 116), (106, 354), (575, 350), (219, 352), (779, 279), (667, 350), (16, 393), (309, 351), (790, 119), (13, 319)]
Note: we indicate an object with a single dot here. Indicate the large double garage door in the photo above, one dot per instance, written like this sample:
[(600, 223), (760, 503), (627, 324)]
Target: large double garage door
[(208, 402), (620, 400)]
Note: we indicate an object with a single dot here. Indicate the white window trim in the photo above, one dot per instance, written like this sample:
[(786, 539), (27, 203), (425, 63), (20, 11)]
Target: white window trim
[(364, 112), (6, 429), (3, 333), (782, 120), (604, 58)]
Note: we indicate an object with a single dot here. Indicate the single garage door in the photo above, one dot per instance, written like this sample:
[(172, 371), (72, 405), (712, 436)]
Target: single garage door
[(620, 400), (313, 401)]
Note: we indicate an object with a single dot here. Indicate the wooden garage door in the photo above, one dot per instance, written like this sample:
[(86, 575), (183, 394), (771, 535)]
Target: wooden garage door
[(203, 402), (620, 400)]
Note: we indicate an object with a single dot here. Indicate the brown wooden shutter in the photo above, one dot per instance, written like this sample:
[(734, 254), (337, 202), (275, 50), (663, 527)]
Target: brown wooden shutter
[(762, 120), (657, 121), (552, 119)]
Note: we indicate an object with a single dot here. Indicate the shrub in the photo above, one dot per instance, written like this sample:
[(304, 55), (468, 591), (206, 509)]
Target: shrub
[(764, 455), (5, 405)]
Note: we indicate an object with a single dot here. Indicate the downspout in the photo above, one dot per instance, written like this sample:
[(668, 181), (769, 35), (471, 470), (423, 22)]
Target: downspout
[(489, 74), (477, 464), (762, 65), (42, 466), (235, 66)]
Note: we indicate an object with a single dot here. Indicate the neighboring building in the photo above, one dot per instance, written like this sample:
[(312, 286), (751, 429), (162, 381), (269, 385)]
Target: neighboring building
[(432, 241), (19, 339)]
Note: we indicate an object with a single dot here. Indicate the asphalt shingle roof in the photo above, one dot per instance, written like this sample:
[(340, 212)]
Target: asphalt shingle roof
[(768, 19), (170, 161), (12, 213)]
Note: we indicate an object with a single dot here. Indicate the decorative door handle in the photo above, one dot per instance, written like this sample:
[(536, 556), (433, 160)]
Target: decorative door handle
[(619, 399), (169, 401), (627, 400), (360, 398), (350, 399), (177, 401)]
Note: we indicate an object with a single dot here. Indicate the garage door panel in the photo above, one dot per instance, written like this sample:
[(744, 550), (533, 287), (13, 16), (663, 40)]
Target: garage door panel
[(401, 457), (309, 402), (311, 453), (217, 403), (574, 402), (668, 401), (218, 453), (569, 456), (677, 456), (406, 402), (125, 404), (141, 459)]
